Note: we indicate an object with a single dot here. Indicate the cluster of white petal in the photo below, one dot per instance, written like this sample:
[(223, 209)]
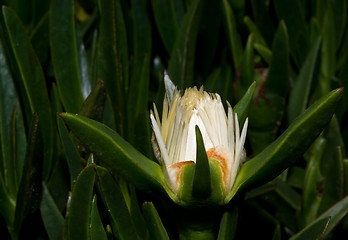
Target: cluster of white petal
[(176, 137)]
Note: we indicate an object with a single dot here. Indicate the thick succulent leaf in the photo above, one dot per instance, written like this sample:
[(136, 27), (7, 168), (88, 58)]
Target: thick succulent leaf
[(265, 115), (255, 31), (30, 188), (233, 35), (264, 20), (51, 215), (39, 38), (138, 93), (340, 13), (278, 76), (181, 64), (228, 225), (265, 52), (7, 204), (167, 25), (201, 185), (65, 54), (116, 153), (328, 50), (77, 221), (93, 106), (277, 233), (312, 183), (242, 107), (300, 93), (285, 202), (143, 134), (11, 128), (32, 81), (248, 68), (154, 222), (142, 28), (71, 152), (112, 60), (293, 15), (96, 229), (137, 215), (331, 166), (115, 204), (291, 144), (324, 223), (209, 36)]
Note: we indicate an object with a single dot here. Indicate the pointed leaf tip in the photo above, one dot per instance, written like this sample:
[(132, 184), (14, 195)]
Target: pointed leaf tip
[(201, 186)]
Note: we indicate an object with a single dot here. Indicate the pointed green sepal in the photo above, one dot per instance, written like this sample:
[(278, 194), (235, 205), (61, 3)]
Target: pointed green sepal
[(201, 186)]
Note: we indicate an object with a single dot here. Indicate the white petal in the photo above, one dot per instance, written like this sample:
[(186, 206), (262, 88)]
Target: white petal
[(159, 140)]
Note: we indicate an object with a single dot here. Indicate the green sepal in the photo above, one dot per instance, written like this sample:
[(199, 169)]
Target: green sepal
[(290, 145), (201, 185), (217, 189)]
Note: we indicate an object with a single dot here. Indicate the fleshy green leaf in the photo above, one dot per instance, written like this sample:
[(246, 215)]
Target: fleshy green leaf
[(93, 106), (154, 222), (137, 215), (292, 143), (51, 216), (165, 18), (32, 81), (96, 229), (310, 198), (71, 152), (79, 210), (300, 93), (181, 63), (30, 188), (242, 107), (324, 223), (278, 75), (11, 128), (228, 225), (116, 153), (265, 52), (112, 60), (142, 28), (65, 54), (233, 35), (138, 93), (331, 166), (292, 14), (115, 204), (255, 31)]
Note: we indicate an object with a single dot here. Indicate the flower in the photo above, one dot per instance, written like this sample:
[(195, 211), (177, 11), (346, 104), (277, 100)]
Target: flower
[(175, 144)]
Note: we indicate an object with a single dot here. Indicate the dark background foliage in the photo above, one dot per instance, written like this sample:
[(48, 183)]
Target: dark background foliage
[(105, 60)]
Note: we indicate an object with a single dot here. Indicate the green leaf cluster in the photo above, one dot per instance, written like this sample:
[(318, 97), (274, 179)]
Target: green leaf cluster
[(89, 172)]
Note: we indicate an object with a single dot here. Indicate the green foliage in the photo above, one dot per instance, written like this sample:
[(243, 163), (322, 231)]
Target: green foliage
[(90, 171)]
